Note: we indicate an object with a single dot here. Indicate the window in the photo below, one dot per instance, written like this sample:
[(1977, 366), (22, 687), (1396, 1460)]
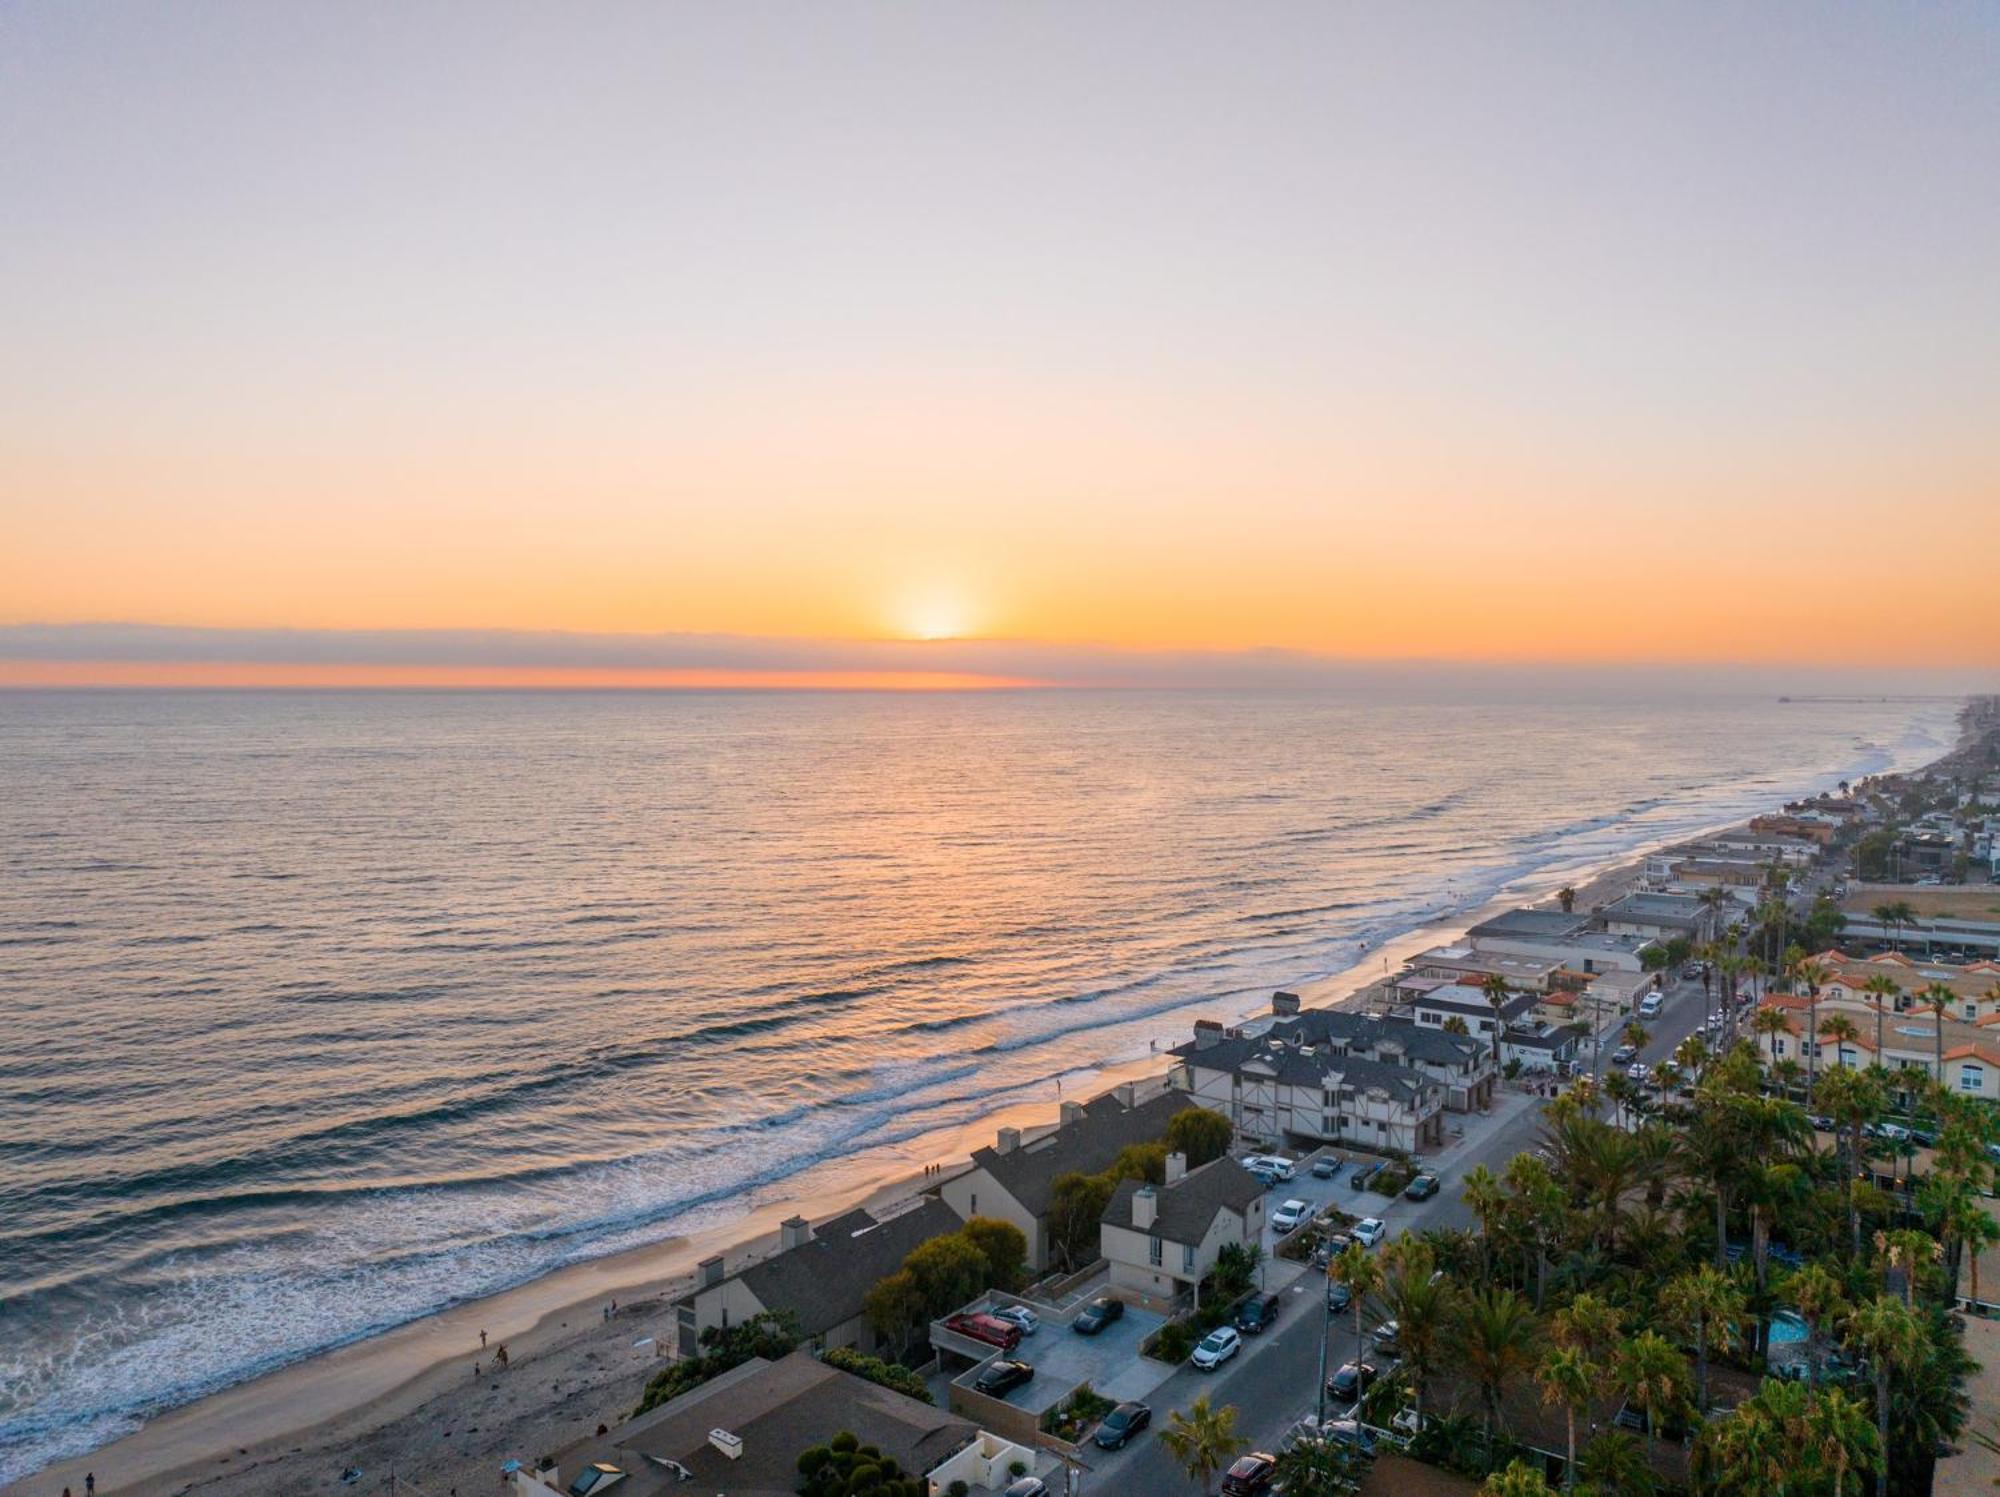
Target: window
[(1187, 1257), (975, 1203), (1153, 1251), (1972, 1078), (1778, 1047)]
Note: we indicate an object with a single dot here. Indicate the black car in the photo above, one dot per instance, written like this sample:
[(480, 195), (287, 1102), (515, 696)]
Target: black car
[(1098, 1314), (1422, 1188), (1250, 1476), (1363, 1174), (1338, 1295), (1348, 1384), (1002, 1377), (1624, 1055), (1256, 1312), (1121, 1424)]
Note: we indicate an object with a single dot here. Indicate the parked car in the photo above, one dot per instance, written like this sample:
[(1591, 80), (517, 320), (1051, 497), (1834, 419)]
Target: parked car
[(988, 1328), (1276, 1164), (1386, 1337), (1266, 1178), (1350, 1382), (1121, 1424), (1250, 1476), (1823, 1121), (1370, 1230), (1364, 1173), (1217, 1347), (1351, 1432), (1338, 1295), (1255, 1313), (1288, 1216), (1325, 1167), (1639, 1071), (1422, 1188), (1022, 1316), (1027, 1486), (1624, 1055), (1098, 1314), (1001, 1377)]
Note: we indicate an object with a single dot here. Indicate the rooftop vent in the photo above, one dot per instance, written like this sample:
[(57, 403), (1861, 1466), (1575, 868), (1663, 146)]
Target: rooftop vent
[(730, 1445)]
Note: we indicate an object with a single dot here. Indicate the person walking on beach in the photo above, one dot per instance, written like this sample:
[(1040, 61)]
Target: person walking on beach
[(482, 1341), (500, 1355), (90, 1484)]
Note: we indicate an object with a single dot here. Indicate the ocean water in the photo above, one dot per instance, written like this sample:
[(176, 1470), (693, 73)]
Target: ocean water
[(324, 1010)]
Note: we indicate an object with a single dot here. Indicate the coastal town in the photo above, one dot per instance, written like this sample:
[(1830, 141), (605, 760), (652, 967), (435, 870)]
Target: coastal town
[(1630, 1191)]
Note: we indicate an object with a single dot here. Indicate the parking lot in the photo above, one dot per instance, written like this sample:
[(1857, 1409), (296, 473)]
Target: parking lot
[(1109, 1361)]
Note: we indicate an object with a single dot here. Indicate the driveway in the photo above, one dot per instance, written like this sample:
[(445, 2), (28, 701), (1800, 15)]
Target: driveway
[(1109, 1361)]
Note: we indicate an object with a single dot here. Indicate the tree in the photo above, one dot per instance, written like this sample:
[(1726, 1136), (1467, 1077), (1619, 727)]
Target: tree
[(1839, 1435), (1482, 1194), (895, 1307), (1004, 1246), (1704, 1305), (1812, 976), (1840, 1029), (1519, 1480), (1147, 1162), (1419, 1300), (1821, 1300), (1590, 1325), (1566, 896), (1611, 1463), (1755, 1451), (1884, 989), (769, 1334), (1938, 998), (1651, 1373), (1889, 1334), (1568, 1378), (1496, 1338), (1361, 1272), (948, 1270), (1076, 1206), (1202, 1135), (1494, 986), (1203, 1440), (1319, 1468)]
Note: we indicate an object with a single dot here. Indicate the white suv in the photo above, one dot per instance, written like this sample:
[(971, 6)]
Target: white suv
[(1274, 1164), (1288, 1216), (1370, 1230)]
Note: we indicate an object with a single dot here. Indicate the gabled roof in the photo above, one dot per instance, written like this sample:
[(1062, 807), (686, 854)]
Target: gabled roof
[(1188, 1206), (824, 1280), (1087, 1146), (1297, 1065)]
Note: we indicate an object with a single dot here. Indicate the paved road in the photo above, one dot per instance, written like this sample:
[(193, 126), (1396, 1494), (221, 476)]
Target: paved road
[(1274, 1381)]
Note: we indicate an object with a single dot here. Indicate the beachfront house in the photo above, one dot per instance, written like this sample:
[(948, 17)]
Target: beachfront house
[(1160, 1241), (1463, 1064), (1012, 1180), (1459, 962), (1661, 917), (1291, 1088), (820, 1275), (743, 1432)]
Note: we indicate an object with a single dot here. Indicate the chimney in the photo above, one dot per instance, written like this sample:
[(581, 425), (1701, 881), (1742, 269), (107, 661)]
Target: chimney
[(1284, 1004), (1072, 1112), (1145, 1208), (1206, 1033), (793, 1232), (730, 1445), (1007, 1141), (711, 1271), (1176, 1168), (1127, 1095)]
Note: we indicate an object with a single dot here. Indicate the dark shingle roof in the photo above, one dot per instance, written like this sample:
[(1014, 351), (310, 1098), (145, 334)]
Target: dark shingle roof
[(1188, 1206), (1087, 1146), (777, 1409), (1363, 1033), (823, 1281), (1292, 1066), (1534, 925)]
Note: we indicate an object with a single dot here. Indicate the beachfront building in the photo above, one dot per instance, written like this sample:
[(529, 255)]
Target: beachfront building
[(1463, 1064), (743, 1432), (1661, 917), (1160, 1241), (1014, 1178), (820, 1275), (1280, 1087), (1551, 935), (1459, 962)]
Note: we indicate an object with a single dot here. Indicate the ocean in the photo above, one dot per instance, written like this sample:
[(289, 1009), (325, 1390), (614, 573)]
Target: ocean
[(326, 1010)]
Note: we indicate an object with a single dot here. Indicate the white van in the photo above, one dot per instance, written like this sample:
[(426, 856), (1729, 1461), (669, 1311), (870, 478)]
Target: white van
[(1649, 1006)]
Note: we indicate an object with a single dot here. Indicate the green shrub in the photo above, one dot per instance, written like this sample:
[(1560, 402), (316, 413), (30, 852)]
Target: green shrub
[(885, 1374)]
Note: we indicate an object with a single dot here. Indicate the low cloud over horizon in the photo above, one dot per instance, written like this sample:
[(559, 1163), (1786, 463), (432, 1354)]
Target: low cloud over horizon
[(139, 654)]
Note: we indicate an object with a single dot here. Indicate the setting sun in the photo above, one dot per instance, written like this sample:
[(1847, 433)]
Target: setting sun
[(934, 613)]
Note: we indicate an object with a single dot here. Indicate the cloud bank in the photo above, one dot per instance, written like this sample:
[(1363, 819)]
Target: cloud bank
[(65, 653)]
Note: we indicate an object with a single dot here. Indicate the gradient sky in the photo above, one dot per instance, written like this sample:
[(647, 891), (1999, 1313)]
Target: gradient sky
[(1473, 331)]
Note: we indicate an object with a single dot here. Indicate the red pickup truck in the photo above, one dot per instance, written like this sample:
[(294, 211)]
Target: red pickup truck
[(988, 1328)]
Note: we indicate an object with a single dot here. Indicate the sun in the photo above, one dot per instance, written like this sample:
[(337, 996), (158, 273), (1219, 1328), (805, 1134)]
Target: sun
[(933, 613)]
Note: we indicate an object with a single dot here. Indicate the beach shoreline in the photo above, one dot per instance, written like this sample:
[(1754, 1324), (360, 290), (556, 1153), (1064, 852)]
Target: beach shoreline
[(405, 1400)]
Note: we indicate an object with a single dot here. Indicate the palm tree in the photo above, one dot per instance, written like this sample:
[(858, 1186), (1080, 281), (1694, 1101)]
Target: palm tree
[(1203, 1440), (1769, 1023), (1482, 1194), (1938, 998), (1496, 1338), (1569, 1378), (1840, 1029), (1519, 1480), (1494, 986), (1705, 1305), (1813, 975), (1821, 1300), (1893, 917), (1854, 1099), (1319, 1468), (1650, 1372), (1731, 968), (1839, 1435), (1419, 1301), (1361, 1272), (1884, 989), (1888, 1332), (1755, 1450), (1567, 896), (1973, 1229), (1588, 1324)]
